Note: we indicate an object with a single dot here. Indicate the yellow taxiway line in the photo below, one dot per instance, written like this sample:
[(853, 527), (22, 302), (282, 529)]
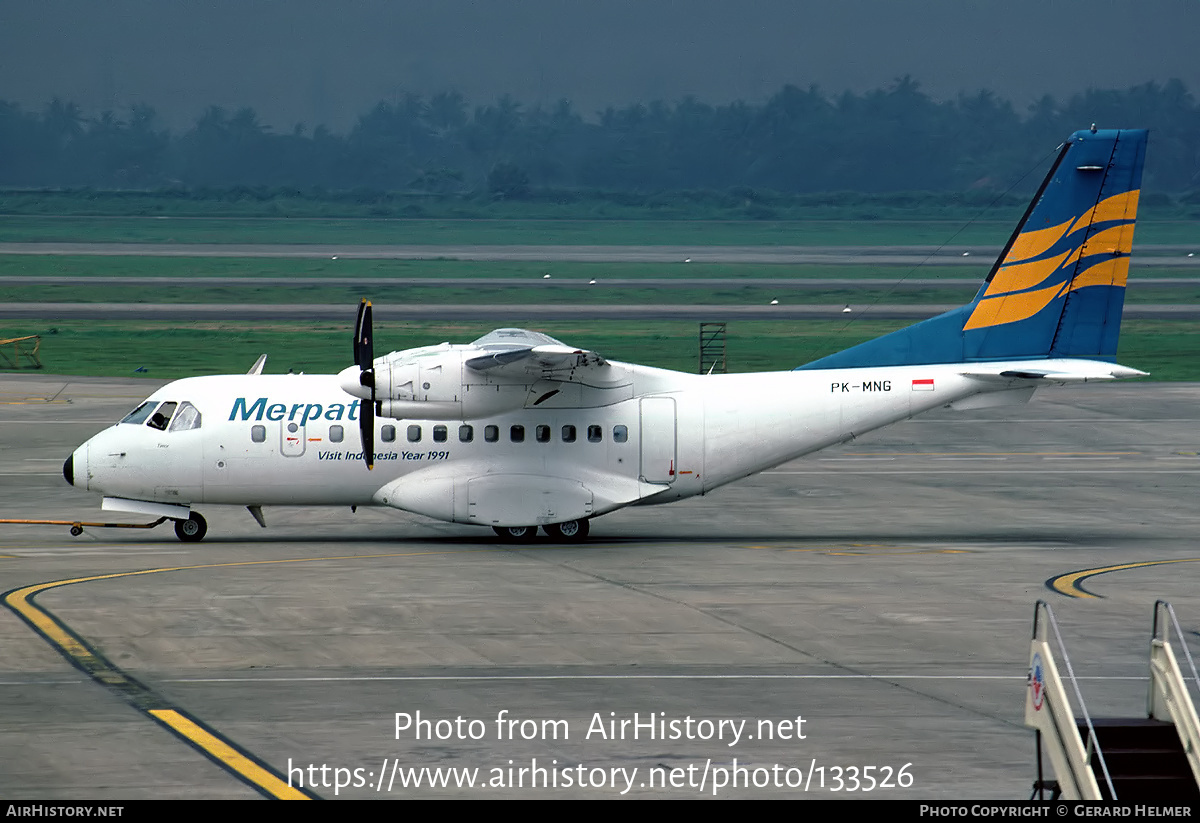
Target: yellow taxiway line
[(208, 741), (1070, 583)]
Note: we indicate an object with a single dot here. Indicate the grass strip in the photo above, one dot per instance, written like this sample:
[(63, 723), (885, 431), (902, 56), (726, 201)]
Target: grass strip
[(1168, 349)]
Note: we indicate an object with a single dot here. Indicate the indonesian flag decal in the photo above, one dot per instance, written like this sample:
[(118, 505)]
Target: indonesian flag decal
[(925, 384)]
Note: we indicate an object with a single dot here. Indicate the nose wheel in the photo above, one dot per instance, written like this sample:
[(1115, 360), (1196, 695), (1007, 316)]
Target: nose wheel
[(191, 530)]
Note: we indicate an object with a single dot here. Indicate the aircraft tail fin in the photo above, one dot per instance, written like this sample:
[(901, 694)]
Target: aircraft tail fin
[(1058, 287)]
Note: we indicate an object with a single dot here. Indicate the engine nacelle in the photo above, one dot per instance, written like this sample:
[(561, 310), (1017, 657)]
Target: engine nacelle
[(474, 402), (427, 380), (436, 383)]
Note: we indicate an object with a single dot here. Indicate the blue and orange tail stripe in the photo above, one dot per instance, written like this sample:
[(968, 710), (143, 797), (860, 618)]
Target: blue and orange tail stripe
[(1058, 287)]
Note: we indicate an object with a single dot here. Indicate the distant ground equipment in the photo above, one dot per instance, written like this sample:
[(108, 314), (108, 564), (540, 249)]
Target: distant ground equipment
[(712, 348), (14, 350)]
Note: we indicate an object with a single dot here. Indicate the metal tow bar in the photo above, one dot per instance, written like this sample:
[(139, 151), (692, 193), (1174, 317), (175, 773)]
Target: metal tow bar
[(77, 525)]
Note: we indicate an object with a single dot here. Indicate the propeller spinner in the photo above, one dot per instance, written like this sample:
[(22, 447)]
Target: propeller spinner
[(364, 358)]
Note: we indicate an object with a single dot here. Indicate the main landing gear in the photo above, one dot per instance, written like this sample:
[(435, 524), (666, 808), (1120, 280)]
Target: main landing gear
[(570, 531), (191, 530)]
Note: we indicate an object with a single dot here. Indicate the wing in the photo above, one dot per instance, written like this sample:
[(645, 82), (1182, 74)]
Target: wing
[(547, 362)]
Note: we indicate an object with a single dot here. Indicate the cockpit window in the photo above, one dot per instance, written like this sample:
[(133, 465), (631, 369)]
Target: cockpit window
[(187, 417), (139, 415), (162, 416)]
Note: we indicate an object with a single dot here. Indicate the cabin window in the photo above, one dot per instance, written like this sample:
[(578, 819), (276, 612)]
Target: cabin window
[(466, 434), (620, 434), (187, 417), (516, 434), (568, 434), (595, 434), (542, 434), (414, 434), (491, 433), (388, 434), (258, 434), (440, 433), (139, 415), (336, 434), (160, 418)]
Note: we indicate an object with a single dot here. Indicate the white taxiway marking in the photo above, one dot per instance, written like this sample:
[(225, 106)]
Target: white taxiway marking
[(522, 677), (86, 552), (852, 459)]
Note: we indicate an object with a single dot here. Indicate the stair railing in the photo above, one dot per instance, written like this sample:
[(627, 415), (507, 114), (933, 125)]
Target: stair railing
[(1067, 751), (1168, 697)]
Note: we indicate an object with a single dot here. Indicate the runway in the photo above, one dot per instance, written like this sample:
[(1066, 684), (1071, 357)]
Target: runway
[(946, 255), (1162, 256), (508, 314), (882, 593), (797, 283)]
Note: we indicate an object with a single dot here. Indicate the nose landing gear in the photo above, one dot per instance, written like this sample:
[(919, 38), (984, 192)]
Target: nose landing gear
[(191, 530)]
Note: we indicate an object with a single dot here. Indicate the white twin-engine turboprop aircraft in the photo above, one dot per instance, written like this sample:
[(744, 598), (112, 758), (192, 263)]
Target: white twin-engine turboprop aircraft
[(517, 430)]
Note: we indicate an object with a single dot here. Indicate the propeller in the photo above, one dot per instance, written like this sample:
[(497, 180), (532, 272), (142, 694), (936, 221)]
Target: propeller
[(364, 358)]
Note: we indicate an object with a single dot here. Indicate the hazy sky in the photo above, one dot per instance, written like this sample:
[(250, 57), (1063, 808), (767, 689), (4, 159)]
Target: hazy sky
[(326, 61)]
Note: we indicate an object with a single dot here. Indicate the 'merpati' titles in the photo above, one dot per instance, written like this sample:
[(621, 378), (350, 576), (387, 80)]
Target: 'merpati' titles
[(258, 410)]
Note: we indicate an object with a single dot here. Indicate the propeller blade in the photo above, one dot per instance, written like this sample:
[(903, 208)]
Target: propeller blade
[(358, 329), (366, 428), (364, 358), (364, 349)]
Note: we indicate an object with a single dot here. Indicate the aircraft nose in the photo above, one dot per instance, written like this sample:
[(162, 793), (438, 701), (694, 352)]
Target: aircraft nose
[(75, 469)]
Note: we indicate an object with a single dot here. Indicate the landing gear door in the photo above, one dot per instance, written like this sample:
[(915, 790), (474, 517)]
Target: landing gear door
[(658, 439)]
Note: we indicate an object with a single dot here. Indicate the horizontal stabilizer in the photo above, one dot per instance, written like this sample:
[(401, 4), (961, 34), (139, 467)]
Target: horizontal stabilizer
[(1051, 371)]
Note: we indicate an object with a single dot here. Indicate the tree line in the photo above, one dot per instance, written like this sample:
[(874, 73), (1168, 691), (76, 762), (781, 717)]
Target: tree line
[(798, 141)]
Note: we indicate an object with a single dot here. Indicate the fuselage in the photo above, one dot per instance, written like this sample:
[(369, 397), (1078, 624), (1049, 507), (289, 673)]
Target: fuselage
[(256, 440)]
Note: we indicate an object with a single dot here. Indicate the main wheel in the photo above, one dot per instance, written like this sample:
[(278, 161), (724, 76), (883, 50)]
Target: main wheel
[(571, 531), (191, 530), (516, 534)]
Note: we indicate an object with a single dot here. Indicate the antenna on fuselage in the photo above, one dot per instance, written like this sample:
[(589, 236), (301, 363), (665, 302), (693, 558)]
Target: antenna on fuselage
[(258, 365)]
